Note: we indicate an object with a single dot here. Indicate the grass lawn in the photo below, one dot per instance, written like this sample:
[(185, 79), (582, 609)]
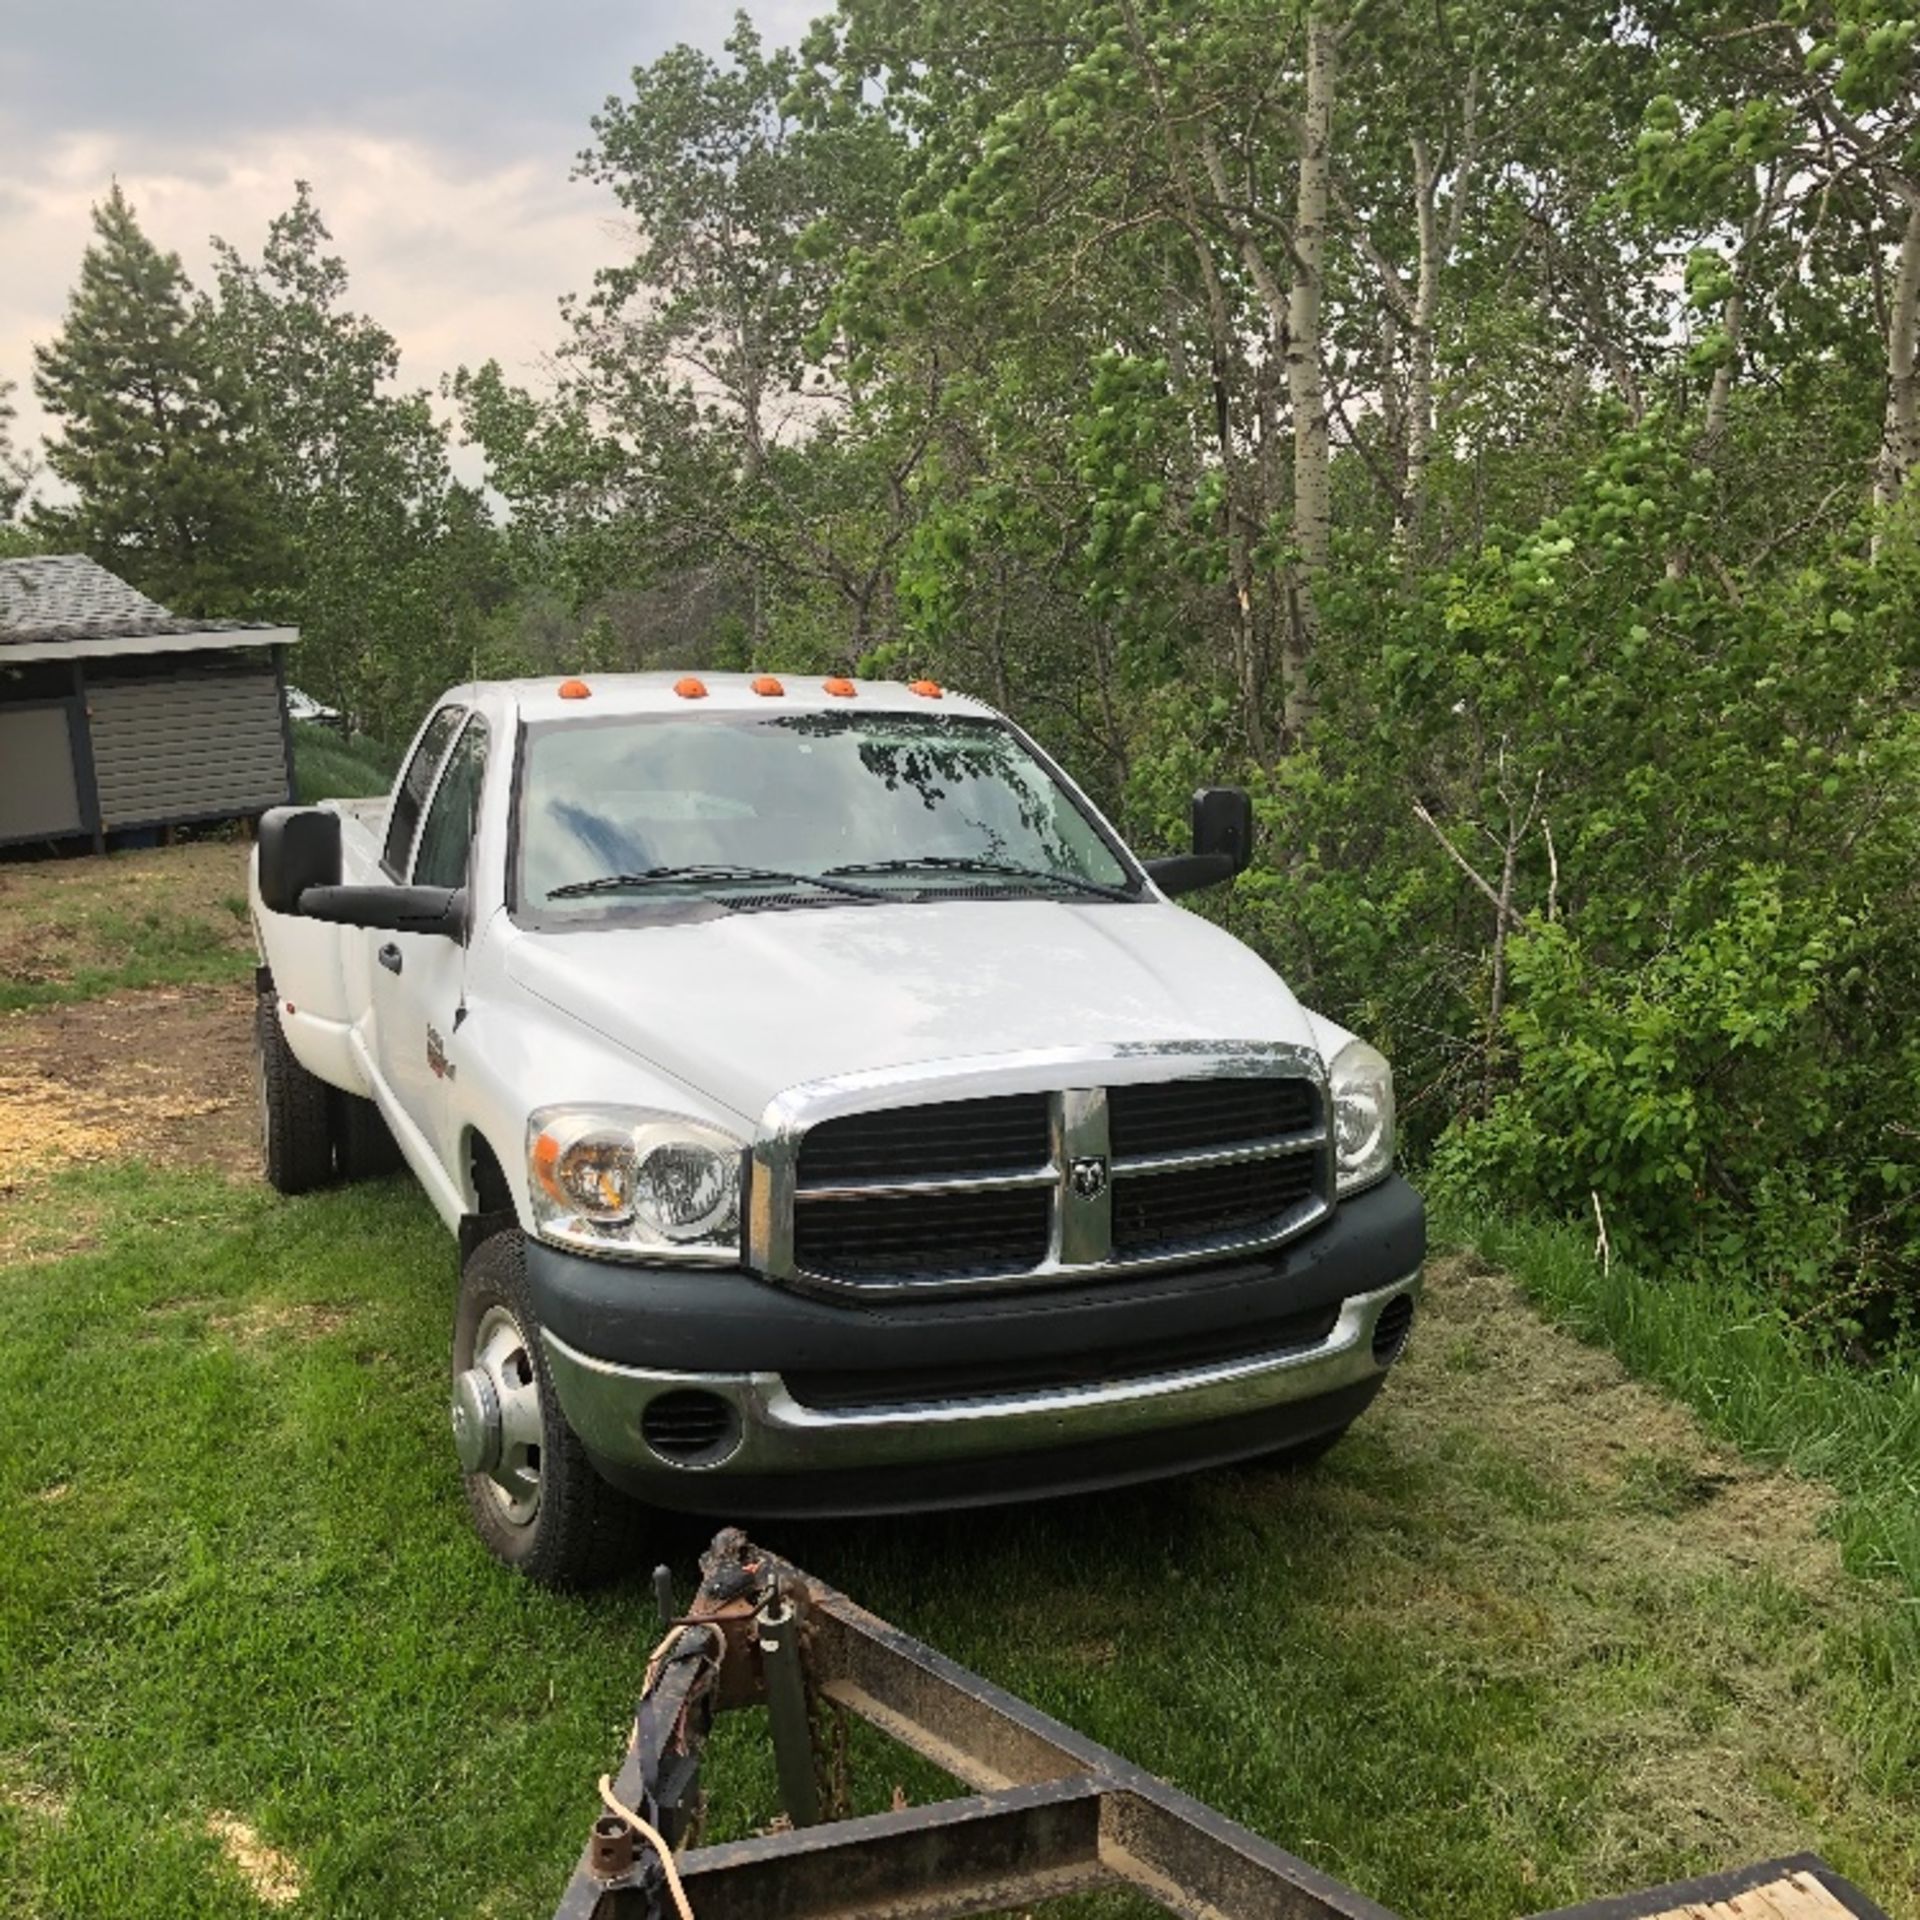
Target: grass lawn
[(73, 930), (1526, 1637)]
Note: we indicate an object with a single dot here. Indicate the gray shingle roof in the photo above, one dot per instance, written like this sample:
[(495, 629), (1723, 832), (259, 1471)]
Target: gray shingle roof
[(66, 596)]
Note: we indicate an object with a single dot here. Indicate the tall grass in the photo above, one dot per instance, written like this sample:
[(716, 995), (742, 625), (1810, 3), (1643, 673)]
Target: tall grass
[(332, 766)]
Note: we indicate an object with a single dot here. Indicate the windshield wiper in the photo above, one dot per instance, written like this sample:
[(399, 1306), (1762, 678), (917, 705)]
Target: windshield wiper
[(1002, 869), (714, 872)]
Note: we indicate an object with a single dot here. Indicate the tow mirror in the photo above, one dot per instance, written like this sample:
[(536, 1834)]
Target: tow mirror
[(299, 848), (440, 910), (1223, 825), (300, 873), (1222, 843)]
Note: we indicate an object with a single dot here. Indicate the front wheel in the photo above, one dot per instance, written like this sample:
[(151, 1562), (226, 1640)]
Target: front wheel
[(535, 1498)]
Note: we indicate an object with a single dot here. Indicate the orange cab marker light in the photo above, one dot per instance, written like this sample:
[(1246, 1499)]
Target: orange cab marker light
[(926, 689), (575, 690), (840, 689), (767, 684), (690, 688)]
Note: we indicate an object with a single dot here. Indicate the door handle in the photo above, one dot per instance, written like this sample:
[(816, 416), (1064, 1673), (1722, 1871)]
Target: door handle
[(389, 957)]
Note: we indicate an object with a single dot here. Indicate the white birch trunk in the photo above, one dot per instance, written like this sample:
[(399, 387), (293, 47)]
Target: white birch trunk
[(1306, 380), (1426, 300), (1900, 441)]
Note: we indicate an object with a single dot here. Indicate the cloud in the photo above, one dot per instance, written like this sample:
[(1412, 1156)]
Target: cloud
[(454, 73), (460, 264), (439, 136)]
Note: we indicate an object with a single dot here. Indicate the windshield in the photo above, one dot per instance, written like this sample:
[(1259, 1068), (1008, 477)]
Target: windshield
[(726, 806)]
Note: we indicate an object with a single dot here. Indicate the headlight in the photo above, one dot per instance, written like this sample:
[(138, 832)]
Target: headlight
[(628, 1181), (1362, 1086)]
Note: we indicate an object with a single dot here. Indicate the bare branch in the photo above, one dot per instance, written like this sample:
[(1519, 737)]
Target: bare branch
[(1503, 909)]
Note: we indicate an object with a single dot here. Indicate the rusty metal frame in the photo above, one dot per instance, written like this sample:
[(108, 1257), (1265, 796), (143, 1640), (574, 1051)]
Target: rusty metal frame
[(1050, 1812)]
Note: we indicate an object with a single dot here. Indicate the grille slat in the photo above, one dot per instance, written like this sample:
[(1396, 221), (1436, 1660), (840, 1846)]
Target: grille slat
[(1171, 1116), (1007, 1134), (925, 1236), (1155, 1211)]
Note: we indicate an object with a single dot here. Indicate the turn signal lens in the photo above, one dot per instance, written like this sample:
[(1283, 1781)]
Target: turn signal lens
[(635, 1182), (575, 690), (926, 689), (690, 688), (840, 689), (767, 684)]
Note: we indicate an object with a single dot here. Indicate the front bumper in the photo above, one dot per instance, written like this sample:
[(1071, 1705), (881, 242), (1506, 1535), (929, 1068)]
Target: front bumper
[(618, 1339), (779, 1454)]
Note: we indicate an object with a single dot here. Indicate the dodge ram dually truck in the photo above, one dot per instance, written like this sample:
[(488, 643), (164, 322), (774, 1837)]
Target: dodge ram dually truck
[(834, 1115)]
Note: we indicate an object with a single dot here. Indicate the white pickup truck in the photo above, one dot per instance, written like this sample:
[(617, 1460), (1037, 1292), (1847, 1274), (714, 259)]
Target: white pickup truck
[(834, 1115)]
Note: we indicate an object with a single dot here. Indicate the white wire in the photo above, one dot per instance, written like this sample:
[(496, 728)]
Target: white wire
[(655, 1839)]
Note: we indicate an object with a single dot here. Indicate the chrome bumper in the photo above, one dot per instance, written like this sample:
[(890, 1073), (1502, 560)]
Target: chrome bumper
[(773, 1433)]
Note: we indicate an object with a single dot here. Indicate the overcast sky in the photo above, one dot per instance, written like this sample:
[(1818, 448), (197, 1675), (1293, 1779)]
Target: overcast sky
[(438, 135)]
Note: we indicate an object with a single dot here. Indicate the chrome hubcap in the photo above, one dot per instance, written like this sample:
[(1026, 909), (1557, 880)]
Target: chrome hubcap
[(495, 1411)]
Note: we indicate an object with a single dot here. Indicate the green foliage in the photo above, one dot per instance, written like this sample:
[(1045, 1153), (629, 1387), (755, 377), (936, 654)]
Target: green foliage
[(1695, 799), (157, 441)]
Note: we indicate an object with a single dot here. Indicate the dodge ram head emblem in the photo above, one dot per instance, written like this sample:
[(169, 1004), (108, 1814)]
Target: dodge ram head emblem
[(1088, 1176)]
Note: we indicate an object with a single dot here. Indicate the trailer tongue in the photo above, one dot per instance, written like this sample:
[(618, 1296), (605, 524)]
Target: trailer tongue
[(1049, 1812)]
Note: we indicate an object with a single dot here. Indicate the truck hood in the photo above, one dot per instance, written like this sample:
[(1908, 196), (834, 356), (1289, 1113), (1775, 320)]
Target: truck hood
[(744, 1007)]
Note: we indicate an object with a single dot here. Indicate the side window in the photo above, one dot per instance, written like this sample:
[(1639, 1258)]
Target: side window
[(415, 784), (444, 840)]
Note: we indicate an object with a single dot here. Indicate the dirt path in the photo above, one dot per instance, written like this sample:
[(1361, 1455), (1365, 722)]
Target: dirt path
[(164, 1076), (125, 1033)]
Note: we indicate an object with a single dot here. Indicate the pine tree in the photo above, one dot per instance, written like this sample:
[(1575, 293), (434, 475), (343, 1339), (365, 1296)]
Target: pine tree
[(14, 470), (355, 474), (155, 442)]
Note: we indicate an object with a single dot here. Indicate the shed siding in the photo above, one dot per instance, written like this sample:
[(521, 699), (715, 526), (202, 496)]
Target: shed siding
[(187, 746), (39, 797)]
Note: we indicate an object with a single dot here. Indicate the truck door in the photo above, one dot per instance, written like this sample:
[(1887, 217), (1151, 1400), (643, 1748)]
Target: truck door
[(417, 977)]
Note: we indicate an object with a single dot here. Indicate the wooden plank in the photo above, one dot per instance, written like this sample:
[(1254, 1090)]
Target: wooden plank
[(1795, 1896)]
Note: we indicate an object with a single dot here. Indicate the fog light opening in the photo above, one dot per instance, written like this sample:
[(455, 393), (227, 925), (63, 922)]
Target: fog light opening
[(690, 1428), (1391, 1329)]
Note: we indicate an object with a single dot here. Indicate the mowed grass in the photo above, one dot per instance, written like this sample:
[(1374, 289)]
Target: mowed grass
[(1754, 1381), (167, 916), (1525, 1638)]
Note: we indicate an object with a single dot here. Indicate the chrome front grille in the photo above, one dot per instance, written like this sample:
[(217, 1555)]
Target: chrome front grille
[(1222, 1156)]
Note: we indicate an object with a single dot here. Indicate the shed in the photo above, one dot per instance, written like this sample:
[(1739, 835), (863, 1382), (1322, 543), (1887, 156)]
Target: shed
[(117, 718)]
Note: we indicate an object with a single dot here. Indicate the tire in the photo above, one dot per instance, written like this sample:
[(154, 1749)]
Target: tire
[(296, 1131), (536, 1501), (366, 1142)]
